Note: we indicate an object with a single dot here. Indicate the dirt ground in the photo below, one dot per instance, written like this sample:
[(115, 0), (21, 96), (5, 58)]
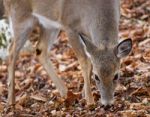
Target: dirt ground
[(36, 95)]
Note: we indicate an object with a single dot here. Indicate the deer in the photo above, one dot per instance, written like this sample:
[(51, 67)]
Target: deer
[(92, 27)]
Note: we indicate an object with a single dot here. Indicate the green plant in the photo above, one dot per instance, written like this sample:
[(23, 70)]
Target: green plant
[(3, 40)]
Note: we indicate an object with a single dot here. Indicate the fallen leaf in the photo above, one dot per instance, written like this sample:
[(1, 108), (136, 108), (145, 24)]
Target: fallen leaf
[(71, 98), (141, 91), (38, 97)]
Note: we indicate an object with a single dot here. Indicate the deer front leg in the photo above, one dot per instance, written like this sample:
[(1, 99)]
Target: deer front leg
[(11, 74), (17, 44), (86, 71), (21, 34), (85, 65), (42, 53)]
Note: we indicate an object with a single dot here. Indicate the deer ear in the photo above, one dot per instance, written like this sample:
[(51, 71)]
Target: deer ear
[(123, 48), (89, 46)]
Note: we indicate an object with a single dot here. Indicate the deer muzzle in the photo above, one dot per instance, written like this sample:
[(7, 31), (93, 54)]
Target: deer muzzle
[(107, 93)]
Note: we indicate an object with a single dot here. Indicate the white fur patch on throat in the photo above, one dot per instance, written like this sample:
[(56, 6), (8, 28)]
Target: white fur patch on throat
[(89, 56), (47, 23), (87, 53)]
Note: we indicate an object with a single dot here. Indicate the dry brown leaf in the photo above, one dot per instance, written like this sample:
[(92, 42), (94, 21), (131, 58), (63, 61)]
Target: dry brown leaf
[(141, 91), (3, 68), (71, 98), (38, 97), (19, 107), (132, 113), (1, 108), (146, 56), (121, 87), (21, 99), (2, 88), (137, 106), (19, 74)]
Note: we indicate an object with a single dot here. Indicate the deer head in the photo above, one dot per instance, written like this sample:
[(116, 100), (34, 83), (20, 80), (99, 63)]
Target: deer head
[(106, 64)]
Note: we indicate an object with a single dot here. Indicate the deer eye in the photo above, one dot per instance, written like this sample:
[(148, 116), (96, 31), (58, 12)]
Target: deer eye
[(116, 77), (96, 78)]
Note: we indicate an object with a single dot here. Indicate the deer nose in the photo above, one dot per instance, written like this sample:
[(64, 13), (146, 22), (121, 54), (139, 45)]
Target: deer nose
[(106, 102)]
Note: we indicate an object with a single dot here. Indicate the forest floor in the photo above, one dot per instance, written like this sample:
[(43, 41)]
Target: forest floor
[(36, 95)]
